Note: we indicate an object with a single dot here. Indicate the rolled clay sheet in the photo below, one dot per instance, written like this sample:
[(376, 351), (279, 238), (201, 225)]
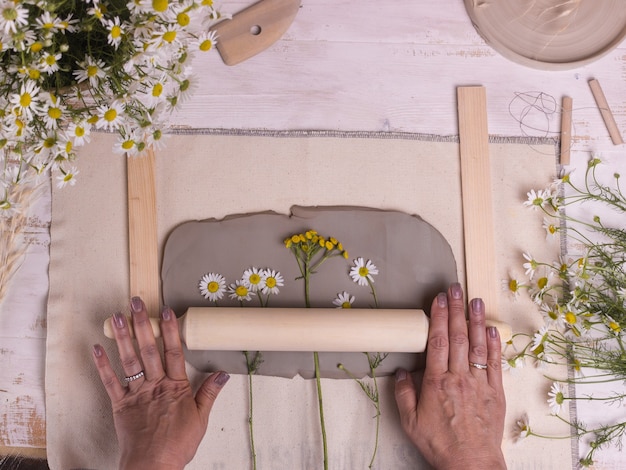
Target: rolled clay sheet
[(414, 262)]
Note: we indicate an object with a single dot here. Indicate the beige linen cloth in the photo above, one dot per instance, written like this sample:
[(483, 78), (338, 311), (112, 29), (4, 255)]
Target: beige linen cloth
[(213, 175)]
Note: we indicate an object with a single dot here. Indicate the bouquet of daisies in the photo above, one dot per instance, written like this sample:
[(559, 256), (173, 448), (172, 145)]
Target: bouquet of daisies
[(68, 67)]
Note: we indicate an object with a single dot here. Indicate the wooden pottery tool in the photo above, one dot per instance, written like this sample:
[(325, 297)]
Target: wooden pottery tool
[(304, 329), (566, 130), (254, 29), (605, 111)]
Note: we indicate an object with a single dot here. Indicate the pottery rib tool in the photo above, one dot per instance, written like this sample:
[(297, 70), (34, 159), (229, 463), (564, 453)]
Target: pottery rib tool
[(304, 329), (254, 29), (566, 130), (480, 265), (605, 111)]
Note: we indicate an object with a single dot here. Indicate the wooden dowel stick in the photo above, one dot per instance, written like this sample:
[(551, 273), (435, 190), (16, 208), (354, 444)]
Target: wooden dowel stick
[(566, 129), (142, 230), (605, 111), (480, 261), (301, 329)]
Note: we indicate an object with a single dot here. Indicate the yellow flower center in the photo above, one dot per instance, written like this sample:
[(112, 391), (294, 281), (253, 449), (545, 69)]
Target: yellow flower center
[(570, 318), (68, 147), (92, 71), (255, 279), (169, 36), (110, 115), (513, 285), (34, 74), (615, 327), (542, 282), (49, 142), (9, 14), (54, 113), (36, 46), (128, 144), (346, 304), (92, 119), (25, 100), (157, 90), (79, 132), (160, 5), (68, 177), (47, 25), (213, 287), (270, 282), (116, 32), (206, 45), (241, 291), (329, 245), (51, 60), (363, 271), (182, 19), (551, 229)]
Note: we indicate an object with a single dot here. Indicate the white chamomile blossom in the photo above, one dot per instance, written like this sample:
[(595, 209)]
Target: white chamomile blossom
[(67, 177), (127, 143), (79, 132), (50, 63), (206, 41), (362, 271), (536, 199), (522, 428), (53, 111), (12, 16), (116, 31), (239, 291), (539, 338), (556, 397), (212, 286), (530, 266), (253, 279), (27, 100), (110, 116), (513, 364), (512, 286), (90, 69), (48, 22), (344, 300), (273, 280), (551, 228)]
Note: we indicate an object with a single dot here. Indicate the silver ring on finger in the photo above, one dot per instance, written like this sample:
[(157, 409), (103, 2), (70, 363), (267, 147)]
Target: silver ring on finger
[(478, 366), (132, 378)]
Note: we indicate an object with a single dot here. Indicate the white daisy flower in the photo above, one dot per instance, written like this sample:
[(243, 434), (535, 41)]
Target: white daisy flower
[(530, 266), (539, 338), (536, 199), (79, 132), (512, 286), (522, 428), (556, 397), (52, 112), (344, 300), (110, 116), (12, 16), (68, 177), (362, 271), (206, 41), (90, 69), (50, 63), (552, 230), (27, 100), (239, 291), (253, 279), (513, 364), (212, 286), (273, 280), (116, 31)]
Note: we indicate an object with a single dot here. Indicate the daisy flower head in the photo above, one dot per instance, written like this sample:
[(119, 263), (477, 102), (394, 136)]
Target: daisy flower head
[(12, 16), (27, 100), (536, 199), (513, 286), (90, 69), (362, 271), (344, 300), (551, 229), (522, 428), (50, 63), (206, 41), (239, 291), (253, 279), (530, 266), (116, 31), (273, 280), (556, 397), (110, 116), (539, 339), (79, 132), (513, 364), (212, 286), (67, 177)]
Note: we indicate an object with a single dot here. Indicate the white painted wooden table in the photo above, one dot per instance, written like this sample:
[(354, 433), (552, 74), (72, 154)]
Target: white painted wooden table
[(343, 65)]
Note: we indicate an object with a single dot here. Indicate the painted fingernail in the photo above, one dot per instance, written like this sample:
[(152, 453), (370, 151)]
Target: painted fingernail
[(456, 290), (136, 304), (400, 375), (166, 313), (442, 299), (478, 306), (119, 320), (222, 378), (492, 331), (97, 350)]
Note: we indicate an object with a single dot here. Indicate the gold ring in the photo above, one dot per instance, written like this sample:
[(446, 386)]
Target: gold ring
[(478, 366)]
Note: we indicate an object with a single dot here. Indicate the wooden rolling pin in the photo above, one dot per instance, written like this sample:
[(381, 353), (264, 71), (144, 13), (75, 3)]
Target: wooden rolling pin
[(300, 329)]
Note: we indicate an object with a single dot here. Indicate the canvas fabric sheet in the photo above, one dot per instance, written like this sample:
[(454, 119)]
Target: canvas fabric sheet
[(212, 174)]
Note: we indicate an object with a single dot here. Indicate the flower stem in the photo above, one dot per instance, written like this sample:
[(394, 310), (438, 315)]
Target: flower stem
[(316, 361)]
